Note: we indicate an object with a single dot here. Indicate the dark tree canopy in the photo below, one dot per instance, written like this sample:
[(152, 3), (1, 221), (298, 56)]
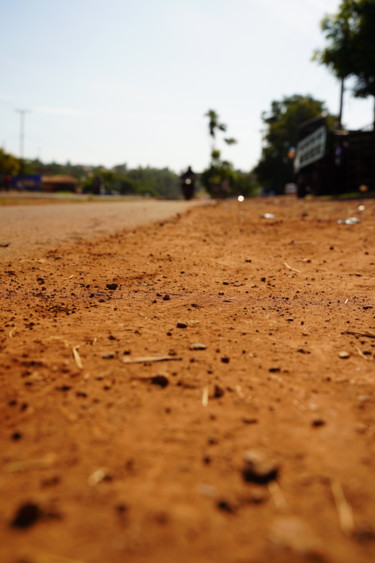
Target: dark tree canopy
[(350, 49), (282, 121)]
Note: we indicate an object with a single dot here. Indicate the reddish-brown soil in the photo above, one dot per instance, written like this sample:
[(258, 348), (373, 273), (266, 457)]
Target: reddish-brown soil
[(267, 331)]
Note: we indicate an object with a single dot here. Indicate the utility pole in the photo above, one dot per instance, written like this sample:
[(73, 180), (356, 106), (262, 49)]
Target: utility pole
[(22, 113)]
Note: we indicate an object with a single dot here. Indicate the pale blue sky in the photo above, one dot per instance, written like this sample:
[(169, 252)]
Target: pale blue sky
[(114, 81)]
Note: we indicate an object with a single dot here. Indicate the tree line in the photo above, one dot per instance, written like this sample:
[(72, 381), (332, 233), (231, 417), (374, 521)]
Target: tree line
[(142, 181)]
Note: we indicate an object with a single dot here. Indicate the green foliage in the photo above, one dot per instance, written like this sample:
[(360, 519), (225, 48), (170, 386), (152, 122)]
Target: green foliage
[(350, 50), (246, 184), (9, 164), (162, 183), (219, 178), (214, 124), (275, 168)]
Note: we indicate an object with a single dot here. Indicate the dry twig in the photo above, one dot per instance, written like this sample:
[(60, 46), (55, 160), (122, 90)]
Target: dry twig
[(148, 359), (277, 495), (343, 508), (293, 269), (205, 396), (360, 334), (41, 463), (77, 357), (363, 355)]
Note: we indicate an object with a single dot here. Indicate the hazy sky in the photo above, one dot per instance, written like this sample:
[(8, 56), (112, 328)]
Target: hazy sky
[(114, 81)]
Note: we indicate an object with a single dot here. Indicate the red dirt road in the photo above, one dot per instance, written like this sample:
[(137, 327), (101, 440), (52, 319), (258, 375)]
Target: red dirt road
[(43, 222), (251, 440)]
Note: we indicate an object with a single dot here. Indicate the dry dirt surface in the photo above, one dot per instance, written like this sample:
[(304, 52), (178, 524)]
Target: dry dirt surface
[(37, 223), (200, 389)]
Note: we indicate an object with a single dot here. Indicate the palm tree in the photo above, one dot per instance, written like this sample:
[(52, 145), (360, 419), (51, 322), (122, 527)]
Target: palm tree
[(214, 125)]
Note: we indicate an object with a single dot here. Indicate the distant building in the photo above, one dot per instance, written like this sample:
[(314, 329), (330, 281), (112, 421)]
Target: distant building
[(60, 183), (29, 182)]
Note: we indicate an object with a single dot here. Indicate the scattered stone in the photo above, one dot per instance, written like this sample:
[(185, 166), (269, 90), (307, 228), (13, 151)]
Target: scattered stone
[(16, 436), (217, 392), (112, 286), (198, 346), (225, 360), (258, 468), (317, 421), (4, 244), (26, 515), (344, 355), (160, 380), (109, 356), (250, 420), (363, 398), (225, 506), (64, 388), (166, 297), (181, 325), (303, 351), (101, 474), (349, 221)]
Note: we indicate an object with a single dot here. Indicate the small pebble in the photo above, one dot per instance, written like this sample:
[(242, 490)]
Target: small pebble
[(217, 392), (344, 355), (316, 422), (225, 506), (197, 346), (27, 515), (160, 380), (363, 398), (258, 468)]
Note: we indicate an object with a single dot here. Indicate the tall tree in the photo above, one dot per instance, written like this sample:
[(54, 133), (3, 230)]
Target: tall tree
[(219, 177), (214, 125), (282, 121), (350, 50), (364, 49)]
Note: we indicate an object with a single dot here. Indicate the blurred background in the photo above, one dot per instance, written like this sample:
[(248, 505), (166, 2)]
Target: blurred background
[(119, 85)]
